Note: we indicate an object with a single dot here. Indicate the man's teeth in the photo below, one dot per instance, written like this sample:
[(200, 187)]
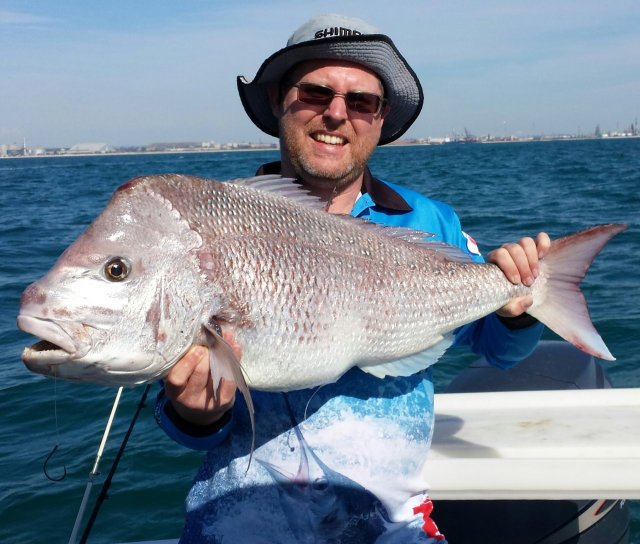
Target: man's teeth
[(328, 139)]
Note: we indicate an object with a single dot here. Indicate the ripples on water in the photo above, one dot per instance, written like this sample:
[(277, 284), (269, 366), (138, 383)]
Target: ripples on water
[(501, 193)]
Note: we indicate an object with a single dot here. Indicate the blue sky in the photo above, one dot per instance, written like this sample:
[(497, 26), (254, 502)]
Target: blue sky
[(146, 71)]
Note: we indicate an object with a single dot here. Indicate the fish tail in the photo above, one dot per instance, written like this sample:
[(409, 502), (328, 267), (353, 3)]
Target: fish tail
[(564, 308)]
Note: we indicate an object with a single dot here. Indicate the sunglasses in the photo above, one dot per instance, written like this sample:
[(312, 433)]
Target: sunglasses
[(319, 95)]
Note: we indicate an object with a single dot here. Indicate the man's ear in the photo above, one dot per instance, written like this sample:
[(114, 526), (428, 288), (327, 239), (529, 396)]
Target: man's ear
[(385, 111), (275, 100)]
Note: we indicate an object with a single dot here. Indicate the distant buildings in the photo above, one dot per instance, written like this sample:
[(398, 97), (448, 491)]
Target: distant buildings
[(13, 150), (89, 149)]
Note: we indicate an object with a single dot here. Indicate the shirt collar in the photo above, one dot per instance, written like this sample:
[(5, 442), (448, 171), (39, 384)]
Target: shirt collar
[(381, 194)]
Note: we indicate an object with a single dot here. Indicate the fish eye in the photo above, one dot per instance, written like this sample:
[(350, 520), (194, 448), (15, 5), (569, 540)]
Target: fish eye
[(116, 269)]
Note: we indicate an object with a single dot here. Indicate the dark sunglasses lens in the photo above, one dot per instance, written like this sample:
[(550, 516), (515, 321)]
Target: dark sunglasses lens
[(315, 94), (363, 102), (319, 95)]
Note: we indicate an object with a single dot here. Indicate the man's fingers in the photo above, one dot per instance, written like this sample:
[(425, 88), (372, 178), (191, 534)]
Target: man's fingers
[(525, 256), (504, 258), (520, 261), (183, 371), (516, 307), (226, 390), (543, 243)]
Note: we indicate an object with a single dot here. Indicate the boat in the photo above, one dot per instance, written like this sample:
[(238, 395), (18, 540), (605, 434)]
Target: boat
[(543, 453)]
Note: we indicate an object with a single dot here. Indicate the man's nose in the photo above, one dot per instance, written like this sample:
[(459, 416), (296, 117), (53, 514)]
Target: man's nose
[(337, 108)]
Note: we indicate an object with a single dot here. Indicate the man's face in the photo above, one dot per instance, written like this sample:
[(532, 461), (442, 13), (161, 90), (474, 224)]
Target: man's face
[(328, 146)]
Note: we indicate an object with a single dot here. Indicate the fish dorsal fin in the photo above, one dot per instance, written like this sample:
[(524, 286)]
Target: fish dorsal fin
[(422, 239), (446, 251), (287, 187), (441, 250), (412, 364), (224, 364), (292, 189)]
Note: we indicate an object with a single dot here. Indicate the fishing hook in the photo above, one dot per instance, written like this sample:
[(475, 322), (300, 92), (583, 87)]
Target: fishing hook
[(46, 462)]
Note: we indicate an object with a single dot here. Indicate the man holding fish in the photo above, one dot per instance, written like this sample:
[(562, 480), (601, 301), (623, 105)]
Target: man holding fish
[(338, 463)]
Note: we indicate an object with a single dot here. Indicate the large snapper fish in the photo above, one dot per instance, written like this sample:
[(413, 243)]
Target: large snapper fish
[(176, 260)]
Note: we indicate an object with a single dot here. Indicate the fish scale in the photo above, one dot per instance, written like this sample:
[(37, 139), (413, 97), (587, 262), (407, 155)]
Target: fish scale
[(346, 313)]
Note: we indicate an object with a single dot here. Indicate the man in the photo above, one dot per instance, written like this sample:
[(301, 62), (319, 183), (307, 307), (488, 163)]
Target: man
[(339, 463)]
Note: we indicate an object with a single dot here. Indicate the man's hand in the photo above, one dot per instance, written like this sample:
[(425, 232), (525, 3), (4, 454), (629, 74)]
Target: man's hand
[(519, 262), (189, 388)]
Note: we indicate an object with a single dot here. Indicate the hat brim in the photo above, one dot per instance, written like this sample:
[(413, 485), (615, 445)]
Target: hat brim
[(375, 51)]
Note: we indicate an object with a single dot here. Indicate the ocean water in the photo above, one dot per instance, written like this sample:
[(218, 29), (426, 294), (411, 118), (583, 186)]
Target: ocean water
[(501, 192)]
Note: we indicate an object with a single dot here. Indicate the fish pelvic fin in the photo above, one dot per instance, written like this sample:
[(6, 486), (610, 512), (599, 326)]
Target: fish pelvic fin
[(564, 308), (413, 363), (224, 364)]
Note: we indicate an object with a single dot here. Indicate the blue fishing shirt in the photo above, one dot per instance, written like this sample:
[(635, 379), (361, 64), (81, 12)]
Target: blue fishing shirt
[(341, 462)]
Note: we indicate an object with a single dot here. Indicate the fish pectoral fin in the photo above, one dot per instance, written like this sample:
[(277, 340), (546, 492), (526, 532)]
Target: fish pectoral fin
[(222, 361), (412, 364), (224, 364)]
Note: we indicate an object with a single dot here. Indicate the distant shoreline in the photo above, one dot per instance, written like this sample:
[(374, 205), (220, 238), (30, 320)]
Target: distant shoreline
[(402, 143), (121, 153)]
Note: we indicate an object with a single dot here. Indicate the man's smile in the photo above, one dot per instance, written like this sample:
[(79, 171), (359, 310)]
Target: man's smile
[(328, 138)]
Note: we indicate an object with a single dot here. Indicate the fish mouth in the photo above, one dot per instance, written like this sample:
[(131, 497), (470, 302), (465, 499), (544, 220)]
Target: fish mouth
[(56, 344), (63, 351), (44, 350)]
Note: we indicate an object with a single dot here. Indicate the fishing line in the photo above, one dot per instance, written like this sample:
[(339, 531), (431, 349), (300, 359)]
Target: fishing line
[(94, 470), (306, 408), (107, 483), (57, 444), (292, 417)]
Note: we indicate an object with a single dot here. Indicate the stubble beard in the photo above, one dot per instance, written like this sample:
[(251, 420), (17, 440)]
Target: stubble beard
[(322, 178)]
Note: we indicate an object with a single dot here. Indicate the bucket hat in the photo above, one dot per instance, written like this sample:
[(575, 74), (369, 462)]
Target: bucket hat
[(337, 37)]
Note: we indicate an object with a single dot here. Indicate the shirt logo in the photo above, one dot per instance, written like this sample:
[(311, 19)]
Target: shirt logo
[(471, 244)]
